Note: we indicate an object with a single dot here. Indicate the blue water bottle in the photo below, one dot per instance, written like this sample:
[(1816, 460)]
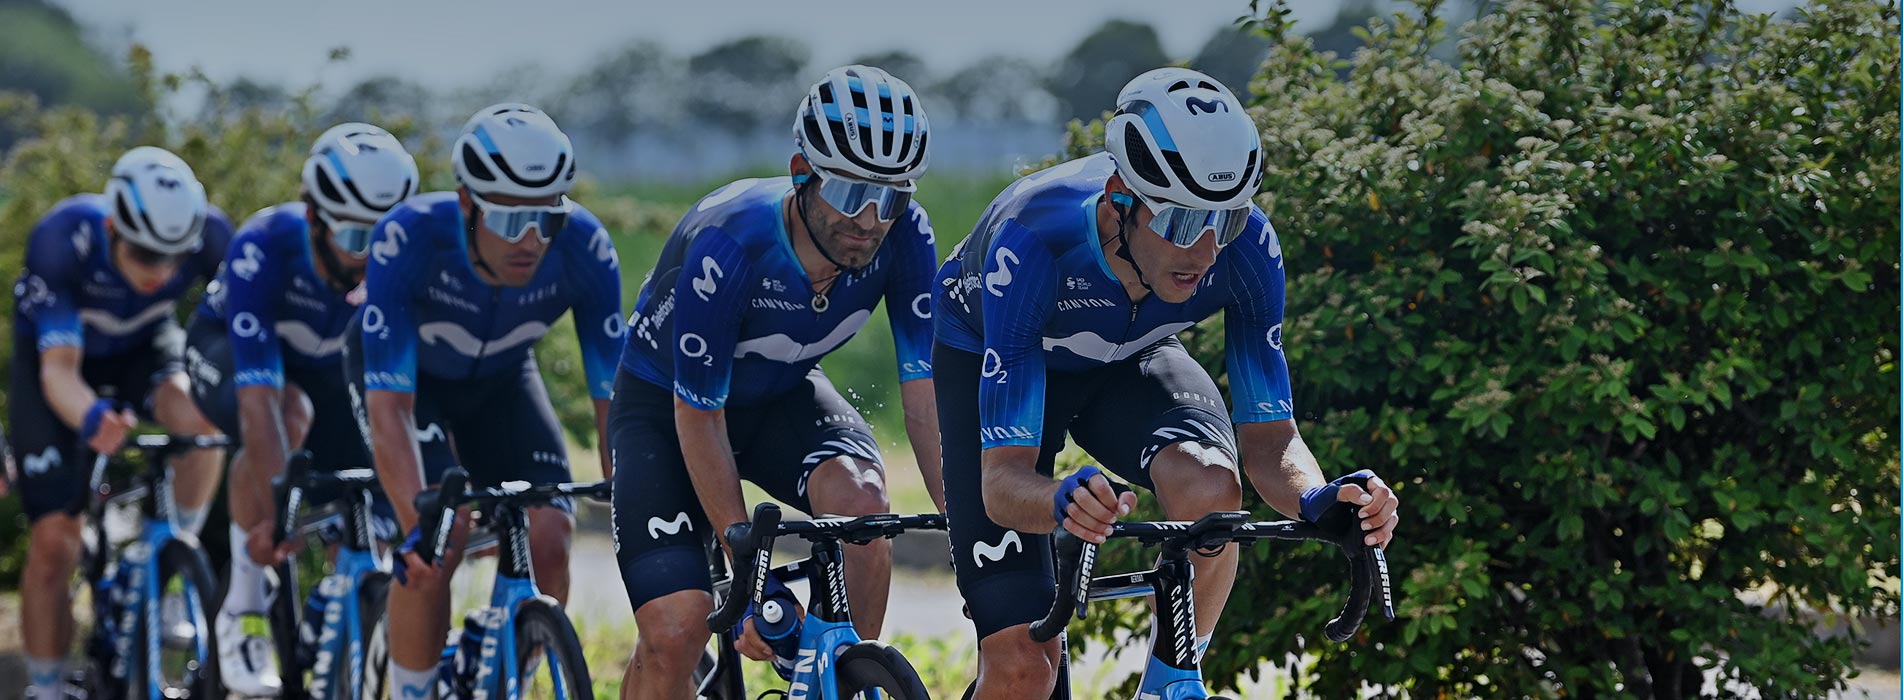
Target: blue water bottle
[(777, 620)]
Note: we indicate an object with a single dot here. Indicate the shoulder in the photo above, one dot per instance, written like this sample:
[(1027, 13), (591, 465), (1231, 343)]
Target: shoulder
[(746, 211), (418, 221), (584, 238)]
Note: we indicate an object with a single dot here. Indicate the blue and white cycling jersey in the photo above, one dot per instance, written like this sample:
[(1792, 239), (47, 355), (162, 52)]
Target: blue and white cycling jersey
[(278, 311), (71, 295), (426, 310), (727, 313), (1031, 291)]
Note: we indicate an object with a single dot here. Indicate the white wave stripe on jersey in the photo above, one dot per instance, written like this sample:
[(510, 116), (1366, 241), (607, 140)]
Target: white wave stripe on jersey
[(306, 341), (1089, 345), (106, 323), (781, 347), (467, 344)]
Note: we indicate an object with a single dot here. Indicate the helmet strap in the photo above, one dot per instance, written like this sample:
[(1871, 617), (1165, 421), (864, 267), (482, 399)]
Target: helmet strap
[(1125, 217), (820, 301), (334, 274), (469, 239)]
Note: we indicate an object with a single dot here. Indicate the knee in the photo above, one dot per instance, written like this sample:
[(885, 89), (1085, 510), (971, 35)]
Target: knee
[(1010, 664), (53, 551), (849, 486), (670, 635), (550, 531), (1194, 479), (172, 405)]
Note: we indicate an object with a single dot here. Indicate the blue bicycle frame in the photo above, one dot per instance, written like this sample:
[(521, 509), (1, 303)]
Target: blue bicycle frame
[(498, 658), (341, 639)]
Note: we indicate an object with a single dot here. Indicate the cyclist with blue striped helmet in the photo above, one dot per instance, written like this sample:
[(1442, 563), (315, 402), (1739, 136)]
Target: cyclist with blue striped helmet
[(720, 377)]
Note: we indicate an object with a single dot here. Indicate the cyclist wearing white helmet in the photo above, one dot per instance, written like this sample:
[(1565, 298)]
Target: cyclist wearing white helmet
[(460, 286), (265, 354), (96, 346), (1046, 327), (720, 380)]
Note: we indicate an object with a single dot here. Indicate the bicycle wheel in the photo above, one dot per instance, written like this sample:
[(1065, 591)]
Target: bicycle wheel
[(373, 596), (187, 662), (548, 654), (873, 664)]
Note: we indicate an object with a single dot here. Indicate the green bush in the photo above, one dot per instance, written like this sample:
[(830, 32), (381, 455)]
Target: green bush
[(1612, 301)]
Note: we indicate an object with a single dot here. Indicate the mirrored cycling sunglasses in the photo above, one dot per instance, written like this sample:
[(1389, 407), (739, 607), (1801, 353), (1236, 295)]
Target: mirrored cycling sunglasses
[(512, 222), (352, 236), (1184, 226), (850, 197)]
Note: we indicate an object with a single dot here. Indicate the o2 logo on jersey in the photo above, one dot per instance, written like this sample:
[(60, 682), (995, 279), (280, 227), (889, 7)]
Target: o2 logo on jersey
[(373, 322), (247, 266), (614, 326), (994, 366), (995, 282), (1277, 407), (692, 345), (394, 238), (922, 305), (604, 248), (246, 325), (1275, 336), (1207, 106), (707, 283)]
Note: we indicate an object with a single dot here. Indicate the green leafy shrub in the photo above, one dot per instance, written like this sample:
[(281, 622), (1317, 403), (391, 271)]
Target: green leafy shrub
[(1612, 301)]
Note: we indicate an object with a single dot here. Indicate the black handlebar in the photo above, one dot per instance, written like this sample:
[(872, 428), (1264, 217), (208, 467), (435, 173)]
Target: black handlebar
[(289, 492), (1076, 561), (752, 544), (436, 507)]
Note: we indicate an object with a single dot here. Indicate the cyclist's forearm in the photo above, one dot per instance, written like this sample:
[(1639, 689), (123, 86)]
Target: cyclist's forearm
[(921, 428), (1279, 464), (710, 464), (398, 459), (261, 425), (601, 439), (1016, 496), (65, 390)]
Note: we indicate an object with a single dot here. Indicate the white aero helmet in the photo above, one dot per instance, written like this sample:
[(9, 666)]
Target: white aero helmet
[(1180, 138), (359, 171), (514, 150), (157, 203), (861, 122)]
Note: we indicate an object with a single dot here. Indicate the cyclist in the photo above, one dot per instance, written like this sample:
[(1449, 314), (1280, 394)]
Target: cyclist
[(265, 353), (96, 347), (759, 281), (460, 286), (1058, 315)]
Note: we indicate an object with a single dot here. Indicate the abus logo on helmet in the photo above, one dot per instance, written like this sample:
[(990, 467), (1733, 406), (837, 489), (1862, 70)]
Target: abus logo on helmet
[(1224, 176), (1207, 106)]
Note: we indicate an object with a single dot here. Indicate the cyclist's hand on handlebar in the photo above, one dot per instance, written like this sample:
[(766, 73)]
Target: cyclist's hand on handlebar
[(1094, 505), (114, 428), (408, 567), (258, 544), (1378, 510), (751, 643)]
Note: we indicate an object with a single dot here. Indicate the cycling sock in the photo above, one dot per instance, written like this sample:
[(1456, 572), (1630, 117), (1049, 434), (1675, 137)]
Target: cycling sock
[(45, 674), (191, 519), (245, 593), (411, 685), (1202, 646)]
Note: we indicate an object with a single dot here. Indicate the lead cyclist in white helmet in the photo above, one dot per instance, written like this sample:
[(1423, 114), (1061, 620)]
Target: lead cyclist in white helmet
[(266, 354), (1058, 319)]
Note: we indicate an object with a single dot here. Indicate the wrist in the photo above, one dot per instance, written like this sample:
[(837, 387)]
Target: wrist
[(95, 415), (1062, 499)]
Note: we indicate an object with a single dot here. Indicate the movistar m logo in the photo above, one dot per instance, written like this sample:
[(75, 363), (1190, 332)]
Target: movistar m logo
[(1006, 545), (1207, 106), (656, 525)]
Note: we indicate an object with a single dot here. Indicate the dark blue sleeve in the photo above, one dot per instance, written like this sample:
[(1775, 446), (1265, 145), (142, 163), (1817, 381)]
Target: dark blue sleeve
[(1019, 288), (1258, 372), (218, 236), (47, 293), (595, 272), (711, 294), (399, 254), (253, 283), (908, 294)]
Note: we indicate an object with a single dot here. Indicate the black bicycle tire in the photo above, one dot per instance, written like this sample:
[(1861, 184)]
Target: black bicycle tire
[(541, 619), (373, 597), (179, 557), (874, 664)]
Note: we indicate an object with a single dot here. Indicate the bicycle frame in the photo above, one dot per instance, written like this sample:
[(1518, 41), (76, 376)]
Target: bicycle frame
[(341, 638), (514, 583)]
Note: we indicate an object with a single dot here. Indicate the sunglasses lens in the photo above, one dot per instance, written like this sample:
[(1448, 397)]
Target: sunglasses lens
[(851, 198), (512, 224), (1184, 227), (353, 238)]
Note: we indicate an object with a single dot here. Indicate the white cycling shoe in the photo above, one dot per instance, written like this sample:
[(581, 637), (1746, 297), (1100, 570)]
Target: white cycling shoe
[(245, 656)]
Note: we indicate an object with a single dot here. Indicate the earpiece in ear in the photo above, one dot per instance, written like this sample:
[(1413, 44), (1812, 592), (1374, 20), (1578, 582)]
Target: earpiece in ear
[(801, 178), (1122, 199)]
